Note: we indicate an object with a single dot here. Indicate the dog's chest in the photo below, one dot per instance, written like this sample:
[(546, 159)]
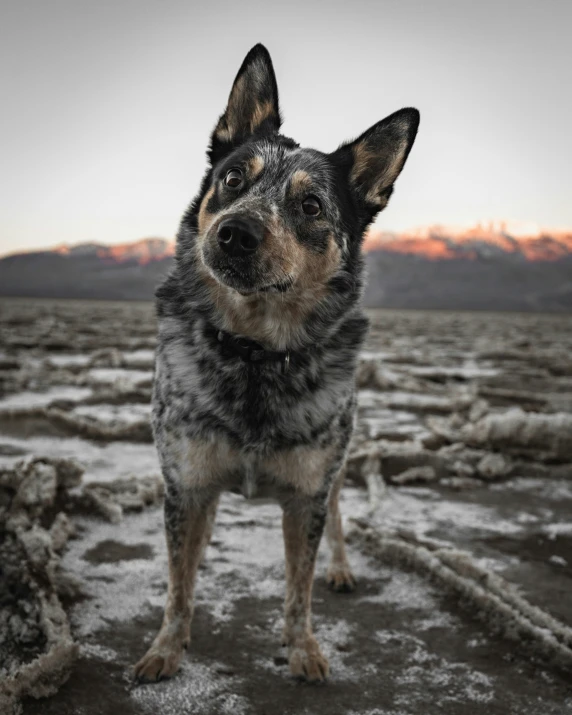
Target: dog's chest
[(255, 406)]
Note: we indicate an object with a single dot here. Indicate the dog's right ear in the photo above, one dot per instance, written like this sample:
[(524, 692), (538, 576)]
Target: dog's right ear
[(252, 107), (375, 159)]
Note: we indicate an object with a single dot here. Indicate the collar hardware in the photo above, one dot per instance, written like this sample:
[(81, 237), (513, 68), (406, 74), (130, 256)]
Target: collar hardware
[(251, 351)]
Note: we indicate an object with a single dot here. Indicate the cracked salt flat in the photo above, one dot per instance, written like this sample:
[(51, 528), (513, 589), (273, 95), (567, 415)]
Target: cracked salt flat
[(400, 399), (102, 462), (135, 356), (65, 360), (41, 399), (196, 686), (115, 375), (374, 355), (463, 371), (423, 511), (558, 529), (386, 641), (125, 414), (244, 561), (240, 589)]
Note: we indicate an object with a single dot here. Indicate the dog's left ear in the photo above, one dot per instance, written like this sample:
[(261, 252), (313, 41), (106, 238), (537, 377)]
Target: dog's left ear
[(252, 107), (376, 158)]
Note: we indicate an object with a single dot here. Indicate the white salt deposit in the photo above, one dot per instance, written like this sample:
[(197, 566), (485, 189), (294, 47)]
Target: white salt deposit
[(118, 375), (422, 511), (467, 371), (41, 399), (135, 356), (102, 461), (194, 686), (65, 360), (126, 414), (558, 529)]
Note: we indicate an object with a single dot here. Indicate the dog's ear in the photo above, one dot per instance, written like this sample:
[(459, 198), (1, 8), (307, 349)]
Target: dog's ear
[(375, 159), (252, 105)]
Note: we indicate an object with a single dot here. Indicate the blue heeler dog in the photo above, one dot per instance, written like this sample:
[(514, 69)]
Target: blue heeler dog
[(260, 327)]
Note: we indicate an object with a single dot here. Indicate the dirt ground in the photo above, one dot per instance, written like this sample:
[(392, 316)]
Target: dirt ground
[(464, 444)]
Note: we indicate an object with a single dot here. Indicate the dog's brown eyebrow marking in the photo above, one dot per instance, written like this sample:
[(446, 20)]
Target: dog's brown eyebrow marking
[(300, 181), (255, 166)]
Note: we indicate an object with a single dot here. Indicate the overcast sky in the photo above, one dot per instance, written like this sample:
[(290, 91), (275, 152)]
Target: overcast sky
[(107, 106)]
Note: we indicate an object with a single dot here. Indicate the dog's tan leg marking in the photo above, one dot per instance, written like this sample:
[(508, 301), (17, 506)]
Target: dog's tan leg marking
[(209, 527), (339, 576), (302, 525), (188, 531)]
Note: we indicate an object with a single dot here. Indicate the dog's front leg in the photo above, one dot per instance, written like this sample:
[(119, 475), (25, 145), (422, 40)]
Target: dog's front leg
[(303, 524), (188, 524)]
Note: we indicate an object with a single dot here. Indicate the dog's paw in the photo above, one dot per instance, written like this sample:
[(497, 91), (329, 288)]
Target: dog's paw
[(158, 663), (307, 661), (340, 578)]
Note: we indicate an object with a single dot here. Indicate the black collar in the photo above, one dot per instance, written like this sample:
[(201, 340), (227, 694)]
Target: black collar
[(250, 351)]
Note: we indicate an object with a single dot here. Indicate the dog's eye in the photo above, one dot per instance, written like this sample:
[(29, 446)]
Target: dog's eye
[(311, 206), (233, 178)]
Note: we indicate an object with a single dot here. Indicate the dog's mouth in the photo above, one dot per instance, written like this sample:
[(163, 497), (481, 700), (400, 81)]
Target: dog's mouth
[(245, 284), (280, 287)]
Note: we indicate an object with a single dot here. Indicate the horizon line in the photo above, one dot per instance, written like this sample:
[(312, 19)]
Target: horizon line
[(516, 228)]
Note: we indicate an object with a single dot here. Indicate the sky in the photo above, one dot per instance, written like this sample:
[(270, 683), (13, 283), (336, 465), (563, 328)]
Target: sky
[(107, 106)]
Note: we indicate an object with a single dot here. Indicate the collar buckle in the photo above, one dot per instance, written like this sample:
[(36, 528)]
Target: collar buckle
[(251, 351)]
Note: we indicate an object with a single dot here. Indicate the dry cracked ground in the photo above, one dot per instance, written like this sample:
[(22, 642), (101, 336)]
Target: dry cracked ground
[(457, 503)]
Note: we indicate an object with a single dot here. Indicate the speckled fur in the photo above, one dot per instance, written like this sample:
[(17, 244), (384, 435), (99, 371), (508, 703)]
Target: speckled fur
[(224, 424)]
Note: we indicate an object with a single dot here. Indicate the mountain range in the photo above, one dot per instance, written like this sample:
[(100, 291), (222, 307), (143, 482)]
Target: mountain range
[(489, 241), (497, 266)]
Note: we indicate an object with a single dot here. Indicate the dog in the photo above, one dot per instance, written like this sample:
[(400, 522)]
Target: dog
[(260, 326)]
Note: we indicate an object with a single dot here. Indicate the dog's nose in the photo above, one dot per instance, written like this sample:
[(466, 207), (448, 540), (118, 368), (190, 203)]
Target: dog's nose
[(239, 236)]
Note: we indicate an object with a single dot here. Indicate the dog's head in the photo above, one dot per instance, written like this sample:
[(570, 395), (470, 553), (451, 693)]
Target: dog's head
[(274, 220)]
